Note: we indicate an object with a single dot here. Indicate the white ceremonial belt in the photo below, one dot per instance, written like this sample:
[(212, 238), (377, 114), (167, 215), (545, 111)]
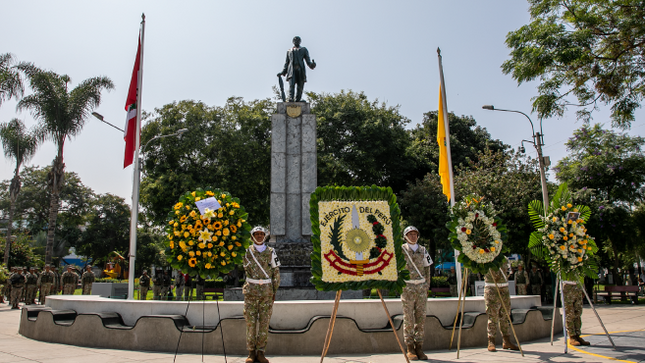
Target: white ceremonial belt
[(569, 282), (501, 284), (259, 282), (415, 282)]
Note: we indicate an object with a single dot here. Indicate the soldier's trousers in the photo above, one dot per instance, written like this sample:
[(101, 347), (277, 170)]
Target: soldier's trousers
[(45, 290), (536, 289), (16, 294), (143, 293), (453, 291), (573, 308), (164, 292), (156, 292), (68, 289), (179, 293), (521, 289), (495, 310), (188, 292), (199, 291), (30, 294), (87, 289), (257, 313), (414, 299)]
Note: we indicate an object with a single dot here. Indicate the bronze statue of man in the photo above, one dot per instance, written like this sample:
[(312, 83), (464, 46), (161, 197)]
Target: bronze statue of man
[(294, 69)]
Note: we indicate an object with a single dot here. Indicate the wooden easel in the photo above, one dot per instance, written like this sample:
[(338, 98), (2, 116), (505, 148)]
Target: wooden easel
[(332, 322)]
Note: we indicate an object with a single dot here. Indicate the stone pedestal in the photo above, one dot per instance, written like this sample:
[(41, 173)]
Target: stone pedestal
[(293, 179)]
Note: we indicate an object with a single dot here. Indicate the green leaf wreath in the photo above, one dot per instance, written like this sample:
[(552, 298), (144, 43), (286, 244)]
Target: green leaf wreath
[(368, 193), (561, 237), (477, 233), (208, 244)]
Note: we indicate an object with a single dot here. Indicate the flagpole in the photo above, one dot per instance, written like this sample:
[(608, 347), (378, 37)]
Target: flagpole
[(134, 218), (446, 125)]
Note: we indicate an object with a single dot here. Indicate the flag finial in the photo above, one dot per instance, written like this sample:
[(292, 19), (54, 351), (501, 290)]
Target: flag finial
[(438, 51)]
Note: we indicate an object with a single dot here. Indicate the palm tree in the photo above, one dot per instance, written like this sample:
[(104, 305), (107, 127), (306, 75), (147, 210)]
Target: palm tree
[(10, 79), (61, 115), (20, 145)]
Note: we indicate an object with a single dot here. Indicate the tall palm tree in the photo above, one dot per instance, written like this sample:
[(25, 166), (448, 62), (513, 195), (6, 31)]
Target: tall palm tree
[(20, 145), (61, 115)]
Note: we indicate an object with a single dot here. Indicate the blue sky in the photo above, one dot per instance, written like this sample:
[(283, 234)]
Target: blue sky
[(212, 50)]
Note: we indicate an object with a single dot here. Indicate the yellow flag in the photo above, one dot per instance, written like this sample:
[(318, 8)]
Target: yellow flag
[(444, 151)]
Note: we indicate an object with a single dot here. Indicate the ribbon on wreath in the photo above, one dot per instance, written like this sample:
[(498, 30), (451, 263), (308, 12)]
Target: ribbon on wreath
[(341, 266)]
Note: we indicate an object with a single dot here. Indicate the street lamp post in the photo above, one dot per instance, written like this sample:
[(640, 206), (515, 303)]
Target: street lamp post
[(538, 142), (134, 219)]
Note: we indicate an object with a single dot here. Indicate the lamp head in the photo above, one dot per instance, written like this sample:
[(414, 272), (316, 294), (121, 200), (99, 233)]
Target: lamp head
[(488, 107), (98, 116)]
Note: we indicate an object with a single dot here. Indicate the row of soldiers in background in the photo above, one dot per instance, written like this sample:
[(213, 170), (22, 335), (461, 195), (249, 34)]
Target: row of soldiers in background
[(25, 285), (162, 286)]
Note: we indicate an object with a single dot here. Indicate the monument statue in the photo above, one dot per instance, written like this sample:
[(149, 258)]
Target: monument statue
[(294, 69)]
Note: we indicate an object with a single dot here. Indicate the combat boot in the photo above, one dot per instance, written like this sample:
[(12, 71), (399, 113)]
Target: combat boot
[(582, 341), (491, 344), (259, 356), (573, 341), (507, 344), (418, 348), (251, 357), (412, 354)]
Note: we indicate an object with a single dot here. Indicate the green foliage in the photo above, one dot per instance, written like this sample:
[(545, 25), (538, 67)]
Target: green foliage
[(227, 146), (22, 253), (334, 236), (588, 49), (360, 142), (356, 194), (10, 79), (440, 281), (150, 250)]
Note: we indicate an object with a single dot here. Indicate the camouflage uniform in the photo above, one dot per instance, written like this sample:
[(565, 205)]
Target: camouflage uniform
[(165, 285), (521, 279), (45, 281), (536, 282), (188, 288), (494, 309), (17, 281), (179, 285), (86, 281), (69, 280), (157, 281), (199, 288), (259, 295), (415, 295), (31, 286), (573, 307), (144, 285)]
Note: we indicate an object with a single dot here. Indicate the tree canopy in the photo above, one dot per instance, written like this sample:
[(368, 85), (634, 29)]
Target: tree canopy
[(590, 50)]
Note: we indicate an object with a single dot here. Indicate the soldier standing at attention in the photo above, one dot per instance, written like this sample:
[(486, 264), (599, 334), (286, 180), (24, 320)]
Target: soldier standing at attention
[(69, 280), (87, 280), (144, 285), (452, 281), (188, 287), (572, 291), (521, 279), (31, 286), (261, 266), (17, 281), (535, 278), (495, 308), (45, 281), (415, 293), (157, 281), (165, 285), (179, 285)]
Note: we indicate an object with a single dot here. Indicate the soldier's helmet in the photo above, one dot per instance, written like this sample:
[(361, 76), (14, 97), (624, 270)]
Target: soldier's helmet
[(410, 229), (261, 229)]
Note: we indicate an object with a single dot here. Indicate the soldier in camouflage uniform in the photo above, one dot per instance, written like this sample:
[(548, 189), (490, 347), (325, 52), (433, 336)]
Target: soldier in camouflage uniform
[(69, 280), (166, 281), (179, 285), (535, 277), (572, 291), (144, 285), (7, 285), (31, 286), (17, 281), (261, 266), (45, 281), (157, 281), (415, 293), (495, 308), (521, 279), (87, 280)]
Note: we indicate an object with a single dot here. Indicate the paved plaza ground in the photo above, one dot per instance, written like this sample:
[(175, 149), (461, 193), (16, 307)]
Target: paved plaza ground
[(626, 322)]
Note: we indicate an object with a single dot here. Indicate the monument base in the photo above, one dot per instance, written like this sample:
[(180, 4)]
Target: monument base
[(295, 293)]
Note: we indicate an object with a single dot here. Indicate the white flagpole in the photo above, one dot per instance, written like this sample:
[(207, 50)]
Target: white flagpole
[(452, 185), (134, 218)]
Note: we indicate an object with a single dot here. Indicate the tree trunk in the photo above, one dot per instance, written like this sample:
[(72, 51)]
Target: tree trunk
[(14, 189), (617, 278), (56, 179)]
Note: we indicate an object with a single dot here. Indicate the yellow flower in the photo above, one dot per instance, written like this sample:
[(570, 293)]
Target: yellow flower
[(204, 235), (223, 263), (179, 257), (468, 231), (555, 219), (562, 229), (192, 262), (201, 245), (188, 207), (209, 213), (222, 254), (208, 265), (233, 238), (218, 233), (238, 244), (172, 245), (198, 253), (221, 244), (579, 250), (496, 242), (214, 238), (579, 259), (176, 224), (569, 205), (192, 214), (193, 194), (223, 195), (220, 215), (191, 242), (481, 252), (191, 254), (230, 247), (182, 244), (570, 235), (551, 236), (217, 225), (492, 249), (231, 212), (226, 231), (233, 228), (186, 234), (209, 254), (197, 199), (226, 222), (177, 212), (563, 248), (182, 219), (179, 205), (565, 238), (239, 224), (210, 226), (233, 254), (171, 222), (210, 245), (563, 208), (177, 233), (569, 221)]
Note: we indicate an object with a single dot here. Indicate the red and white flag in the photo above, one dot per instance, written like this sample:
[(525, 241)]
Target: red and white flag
[(132, 133)]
